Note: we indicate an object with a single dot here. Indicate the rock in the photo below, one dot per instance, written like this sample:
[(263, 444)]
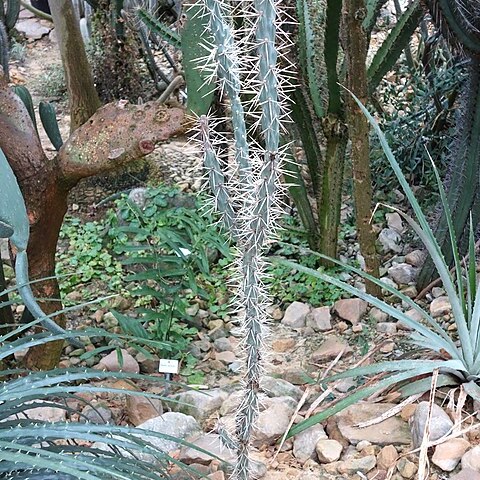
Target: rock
[(388, 282), (440, 306), (392, 431), (406, 468), (147, 364), (448, 455), (329, 349), (140, 409), (276, 387), (440, 423), (111, 363), (343, 386), (304, 443), (390, 240), (415, 258), (471, 459), (281, 345), (351, 309), (387, 457), (174, 424), (99, 414), (44, 414), (466, 474), (121, 303), (32, 28), (218, 475), (402, 273), (319, 319), (215, 324), (353, 465), (199, 405), (437, 292), (328, 451), (222, 344), (210, 442), (394, 221), (378, 315), (277, 313), (387, 327), (273, 422), (296, 314), (226, 357)]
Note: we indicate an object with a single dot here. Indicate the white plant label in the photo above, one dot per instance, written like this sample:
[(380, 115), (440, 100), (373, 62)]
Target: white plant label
[(168, 366)]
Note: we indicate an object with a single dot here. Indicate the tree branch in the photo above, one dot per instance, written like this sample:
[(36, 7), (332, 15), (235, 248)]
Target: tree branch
[(116, 134)]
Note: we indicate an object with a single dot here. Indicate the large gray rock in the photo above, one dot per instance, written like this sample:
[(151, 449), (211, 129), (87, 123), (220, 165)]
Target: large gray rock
[(402, 273), (304, 443), (174, 424), (440, 306), (447, 455), (99, 414), (351, 309), (440, 423), (32, 28), (390, 240), (319, 319), (273, 422), (392, 431), (328, 451), (394, 221), (296, 314), (353, 465), (415, 258), (198, 404), (329, 349), (471, 459), (212, 444), (276, 387)]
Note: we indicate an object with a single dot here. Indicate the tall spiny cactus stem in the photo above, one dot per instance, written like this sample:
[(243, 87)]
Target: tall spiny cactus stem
[(216, 179), (248, 202)]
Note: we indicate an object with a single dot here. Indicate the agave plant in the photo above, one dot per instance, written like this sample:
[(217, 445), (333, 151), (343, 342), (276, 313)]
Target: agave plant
[(41, 449), (456, 359)]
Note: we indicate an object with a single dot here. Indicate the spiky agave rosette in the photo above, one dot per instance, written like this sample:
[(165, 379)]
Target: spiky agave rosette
[(246, 188)]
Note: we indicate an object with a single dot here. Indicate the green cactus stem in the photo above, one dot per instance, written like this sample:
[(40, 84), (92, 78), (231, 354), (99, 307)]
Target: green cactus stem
[(50, 124)]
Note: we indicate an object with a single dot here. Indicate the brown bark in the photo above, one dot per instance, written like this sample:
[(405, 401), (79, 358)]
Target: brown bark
[(355, 46), (82, 96), (116, 134)]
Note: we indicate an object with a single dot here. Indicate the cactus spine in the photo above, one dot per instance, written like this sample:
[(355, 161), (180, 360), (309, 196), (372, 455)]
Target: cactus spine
[(248, 202)]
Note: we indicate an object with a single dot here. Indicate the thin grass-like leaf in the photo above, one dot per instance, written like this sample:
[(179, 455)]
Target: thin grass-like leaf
[(428, 238), (437, 343)]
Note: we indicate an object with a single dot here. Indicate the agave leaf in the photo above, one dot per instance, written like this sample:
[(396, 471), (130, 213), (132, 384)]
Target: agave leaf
[(473, 390), (453, 237), (436, 341), (428, 238), (472, 284), (397, 366), (462, 326), (424, 384), (431, 321), (356, 396)]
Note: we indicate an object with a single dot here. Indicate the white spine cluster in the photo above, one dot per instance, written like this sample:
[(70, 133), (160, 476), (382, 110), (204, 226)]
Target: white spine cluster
[(246, 68)]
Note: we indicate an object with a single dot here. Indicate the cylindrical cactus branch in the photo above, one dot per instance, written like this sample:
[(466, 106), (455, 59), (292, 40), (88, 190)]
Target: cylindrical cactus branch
[(248, 201)]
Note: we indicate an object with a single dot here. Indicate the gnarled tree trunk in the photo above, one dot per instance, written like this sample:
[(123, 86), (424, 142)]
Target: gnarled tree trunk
[(115, 135)]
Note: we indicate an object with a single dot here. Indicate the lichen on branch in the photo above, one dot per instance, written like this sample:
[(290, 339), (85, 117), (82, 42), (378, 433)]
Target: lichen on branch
[(116, 134)]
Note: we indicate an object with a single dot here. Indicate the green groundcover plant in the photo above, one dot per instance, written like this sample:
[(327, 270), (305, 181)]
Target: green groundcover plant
[(457, 359), (38, 449)]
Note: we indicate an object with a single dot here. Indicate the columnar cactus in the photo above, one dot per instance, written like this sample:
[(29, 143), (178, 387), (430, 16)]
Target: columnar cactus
[(249, 199)]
